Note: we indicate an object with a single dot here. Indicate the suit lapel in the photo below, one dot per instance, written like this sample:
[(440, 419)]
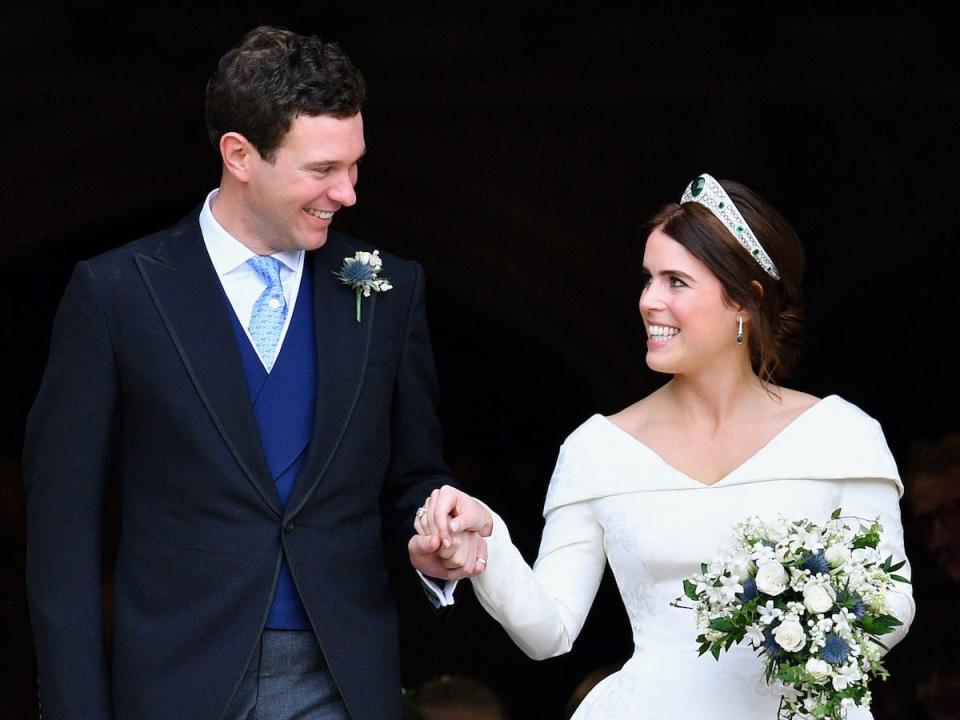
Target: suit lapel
[(188, 295), (342, 349)]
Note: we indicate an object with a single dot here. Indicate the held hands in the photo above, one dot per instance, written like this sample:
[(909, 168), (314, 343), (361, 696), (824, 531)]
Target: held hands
[(450, 529)]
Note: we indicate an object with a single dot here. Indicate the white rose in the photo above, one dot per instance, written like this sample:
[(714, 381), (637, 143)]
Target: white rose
[(818, 597), (820, 669), (777, 530), (789, 635), (837, 555), (771, 578)]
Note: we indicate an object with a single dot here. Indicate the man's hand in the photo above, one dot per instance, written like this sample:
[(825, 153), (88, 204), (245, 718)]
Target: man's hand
[(465, 556), (449, 541)]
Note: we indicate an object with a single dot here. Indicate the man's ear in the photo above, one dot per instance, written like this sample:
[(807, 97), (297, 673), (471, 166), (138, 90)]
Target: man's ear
[(238, 155)]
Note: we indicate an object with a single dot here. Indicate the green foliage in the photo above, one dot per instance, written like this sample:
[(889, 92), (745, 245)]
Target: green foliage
[(870, 538), (880, 624)]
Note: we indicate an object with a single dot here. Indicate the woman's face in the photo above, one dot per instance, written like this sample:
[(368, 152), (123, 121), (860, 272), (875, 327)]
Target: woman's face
[(688, 326)]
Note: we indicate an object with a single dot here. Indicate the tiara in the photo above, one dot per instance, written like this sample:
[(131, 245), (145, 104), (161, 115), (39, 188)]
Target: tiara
[(706, 191)]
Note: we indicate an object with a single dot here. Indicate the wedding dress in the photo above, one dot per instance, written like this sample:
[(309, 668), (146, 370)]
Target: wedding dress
[(612, 499)]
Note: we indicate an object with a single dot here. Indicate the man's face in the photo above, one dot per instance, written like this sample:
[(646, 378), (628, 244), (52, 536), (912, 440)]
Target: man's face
[(936, 506), (290, 202)]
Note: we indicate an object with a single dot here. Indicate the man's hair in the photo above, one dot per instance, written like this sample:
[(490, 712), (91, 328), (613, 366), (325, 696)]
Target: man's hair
[(271, 77)]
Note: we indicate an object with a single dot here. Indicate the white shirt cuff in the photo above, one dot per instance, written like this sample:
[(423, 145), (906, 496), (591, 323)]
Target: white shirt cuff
[(438, 596)]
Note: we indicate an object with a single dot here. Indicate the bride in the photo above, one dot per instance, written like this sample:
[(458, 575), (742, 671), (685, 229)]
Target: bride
[(656, 488)]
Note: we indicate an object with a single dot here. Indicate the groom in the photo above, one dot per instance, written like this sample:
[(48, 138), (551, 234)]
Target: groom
[(268, 426)]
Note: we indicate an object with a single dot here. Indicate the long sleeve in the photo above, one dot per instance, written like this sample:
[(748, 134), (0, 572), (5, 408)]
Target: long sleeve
[(871, 498), (543, 609), (416, 466), (67, 459)]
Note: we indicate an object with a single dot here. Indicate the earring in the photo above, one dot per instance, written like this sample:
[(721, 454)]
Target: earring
[(739, 330)]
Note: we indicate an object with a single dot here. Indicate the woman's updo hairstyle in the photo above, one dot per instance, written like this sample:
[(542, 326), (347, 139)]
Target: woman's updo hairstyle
[(776, 312)]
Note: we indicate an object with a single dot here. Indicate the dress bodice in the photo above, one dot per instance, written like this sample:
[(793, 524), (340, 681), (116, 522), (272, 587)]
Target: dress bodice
[(612, 499)]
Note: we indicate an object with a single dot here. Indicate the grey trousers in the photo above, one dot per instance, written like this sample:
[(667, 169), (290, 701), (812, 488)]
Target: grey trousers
[(287, 679)]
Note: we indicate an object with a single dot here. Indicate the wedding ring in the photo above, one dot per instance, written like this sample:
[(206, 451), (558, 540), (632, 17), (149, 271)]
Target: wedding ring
[(482, 560), (421, 511)]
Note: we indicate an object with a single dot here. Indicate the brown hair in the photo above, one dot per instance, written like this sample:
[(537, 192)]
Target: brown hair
[(777, 312), (271, 77)]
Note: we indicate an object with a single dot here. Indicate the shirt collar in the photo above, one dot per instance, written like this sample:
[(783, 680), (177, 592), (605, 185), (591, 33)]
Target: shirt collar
[(226, 252)]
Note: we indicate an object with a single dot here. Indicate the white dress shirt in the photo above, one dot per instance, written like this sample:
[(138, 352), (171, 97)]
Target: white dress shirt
[(241, 284)]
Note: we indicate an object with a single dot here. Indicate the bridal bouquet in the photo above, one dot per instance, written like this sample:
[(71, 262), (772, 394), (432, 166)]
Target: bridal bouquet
[(811, 599)]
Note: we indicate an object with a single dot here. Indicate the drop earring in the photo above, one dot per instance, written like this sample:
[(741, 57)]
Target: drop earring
[(739, 330)]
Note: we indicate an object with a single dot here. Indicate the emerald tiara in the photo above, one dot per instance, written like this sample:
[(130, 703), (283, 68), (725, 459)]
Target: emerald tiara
[(706, 191)]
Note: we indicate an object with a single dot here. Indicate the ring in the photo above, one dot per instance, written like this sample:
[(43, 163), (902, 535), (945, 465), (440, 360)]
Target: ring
[(421, 511), (482, 560)]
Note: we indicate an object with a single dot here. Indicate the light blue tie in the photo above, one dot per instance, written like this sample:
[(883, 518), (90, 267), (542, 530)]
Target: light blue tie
[(269, 311)]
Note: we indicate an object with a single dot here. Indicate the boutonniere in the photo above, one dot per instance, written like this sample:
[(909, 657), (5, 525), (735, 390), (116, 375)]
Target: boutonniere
[(360, 272)]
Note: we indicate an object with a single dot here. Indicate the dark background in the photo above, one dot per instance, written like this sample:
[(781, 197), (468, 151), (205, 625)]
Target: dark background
[(516, 153)]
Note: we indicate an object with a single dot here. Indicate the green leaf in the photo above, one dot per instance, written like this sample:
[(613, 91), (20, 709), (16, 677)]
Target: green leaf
[(901, 578), (715, 650), (880, 624), (835, 514), (703, 568), (690, 590), (722, 624)]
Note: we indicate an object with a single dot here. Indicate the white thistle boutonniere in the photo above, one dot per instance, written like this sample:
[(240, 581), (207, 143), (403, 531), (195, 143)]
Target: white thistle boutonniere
[(360, 272)]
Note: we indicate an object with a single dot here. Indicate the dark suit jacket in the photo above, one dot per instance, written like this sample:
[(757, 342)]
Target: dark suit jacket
[(144, 382)]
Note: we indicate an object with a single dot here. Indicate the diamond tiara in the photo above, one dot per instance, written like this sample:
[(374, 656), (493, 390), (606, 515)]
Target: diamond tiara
[(706, 191)]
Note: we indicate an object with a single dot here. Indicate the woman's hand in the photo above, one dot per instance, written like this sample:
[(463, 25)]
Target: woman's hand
[(450, 529), (449, 511)]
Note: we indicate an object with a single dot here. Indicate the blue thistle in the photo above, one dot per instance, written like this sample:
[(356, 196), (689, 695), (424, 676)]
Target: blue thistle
[(770, 646), (835, 649), (816, 564), (356, 273), (852, 602), (749, 590)]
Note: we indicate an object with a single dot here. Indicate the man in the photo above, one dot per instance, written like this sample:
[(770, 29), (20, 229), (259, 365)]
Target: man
[(266, 424)]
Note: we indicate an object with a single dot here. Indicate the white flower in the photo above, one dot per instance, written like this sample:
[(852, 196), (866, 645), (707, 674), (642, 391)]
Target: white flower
[(360, 273), (820, 669), (769, 613), (818, 597), (777, 530), (865, 556), (836, 555), (762, 554), (789, 635), (845, 676), (739, 567), (841, 623), (755, 635), (795, 608), (771, 578)]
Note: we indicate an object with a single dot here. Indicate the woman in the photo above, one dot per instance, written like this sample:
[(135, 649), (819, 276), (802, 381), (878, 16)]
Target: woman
[(656, 488)]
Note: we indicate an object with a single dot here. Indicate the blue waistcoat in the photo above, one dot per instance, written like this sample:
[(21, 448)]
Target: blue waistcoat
[(283, 402)]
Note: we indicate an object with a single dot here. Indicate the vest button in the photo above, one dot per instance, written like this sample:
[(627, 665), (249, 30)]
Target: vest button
[(289, 527)]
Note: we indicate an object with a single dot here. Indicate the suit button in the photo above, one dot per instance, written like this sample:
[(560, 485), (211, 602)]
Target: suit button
[(288, 528)]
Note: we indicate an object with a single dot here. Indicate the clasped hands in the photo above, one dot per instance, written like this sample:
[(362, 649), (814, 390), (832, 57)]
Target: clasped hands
[(451, 527)]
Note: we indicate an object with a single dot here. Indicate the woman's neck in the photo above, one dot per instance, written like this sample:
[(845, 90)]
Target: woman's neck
[(717, 398)]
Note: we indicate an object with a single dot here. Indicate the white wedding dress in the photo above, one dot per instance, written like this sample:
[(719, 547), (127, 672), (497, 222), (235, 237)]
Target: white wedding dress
[(612, 499)]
